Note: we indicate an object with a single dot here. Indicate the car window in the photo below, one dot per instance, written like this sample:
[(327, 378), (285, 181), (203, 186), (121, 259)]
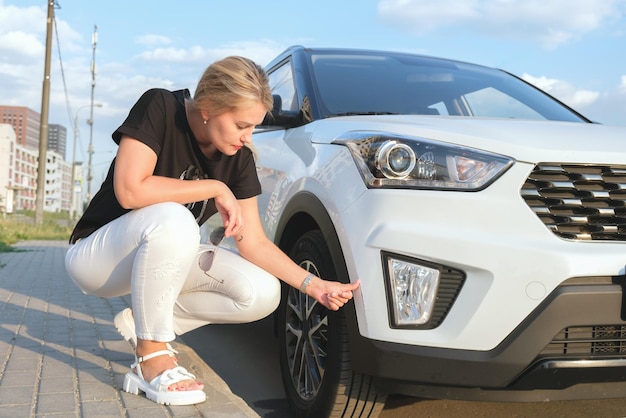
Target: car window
[(281, 83), (490, 102), (406, 84)]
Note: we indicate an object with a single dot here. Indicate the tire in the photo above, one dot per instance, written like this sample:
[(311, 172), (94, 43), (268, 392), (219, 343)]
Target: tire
[(313, 347)]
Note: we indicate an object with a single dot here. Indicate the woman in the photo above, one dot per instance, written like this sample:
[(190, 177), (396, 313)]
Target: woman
[(181, 160)]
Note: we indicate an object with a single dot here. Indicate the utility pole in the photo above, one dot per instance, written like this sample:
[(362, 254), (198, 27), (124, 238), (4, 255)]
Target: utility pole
[(94, 41), (77, 184), (43, 124)]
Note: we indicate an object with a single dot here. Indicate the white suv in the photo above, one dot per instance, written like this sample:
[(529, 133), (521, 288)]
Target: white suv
[(485, 219)]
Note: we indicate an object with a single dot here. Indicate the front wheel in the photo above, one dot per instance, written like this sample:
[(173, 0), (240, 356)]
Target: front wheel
[(313, 346)]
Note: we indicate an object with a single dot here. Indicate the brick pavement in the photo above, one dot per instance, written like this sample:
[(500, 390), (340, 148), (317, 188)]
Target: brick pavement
[(61, 356)]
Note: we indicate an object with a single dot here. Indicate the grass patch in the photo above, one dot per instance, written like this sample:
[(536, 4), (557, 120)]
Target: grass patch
[(5, 248), (22, 227)]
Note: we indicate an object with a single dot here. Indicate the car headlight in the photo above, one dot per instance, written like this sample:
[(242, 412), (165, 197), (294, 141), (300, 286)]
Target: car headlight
[(389, 161)]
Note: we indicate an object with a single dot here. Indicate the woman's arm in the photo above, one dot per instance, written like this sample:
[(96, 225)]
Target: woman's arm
[(136, 187), (254, 246)]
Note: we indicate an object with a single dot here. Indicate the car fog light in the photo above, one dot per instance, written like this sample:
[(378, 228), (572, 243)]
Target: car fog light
[(413, 290)]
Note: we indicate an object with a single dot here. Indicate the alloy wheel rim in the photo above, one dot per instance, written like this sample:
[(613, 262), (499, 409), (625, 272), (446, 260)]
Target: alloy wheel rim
[(306, 342)]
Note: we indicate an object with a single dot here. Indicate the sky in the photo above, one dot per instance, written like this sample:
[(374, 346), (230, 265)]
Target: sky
[(572, 49)]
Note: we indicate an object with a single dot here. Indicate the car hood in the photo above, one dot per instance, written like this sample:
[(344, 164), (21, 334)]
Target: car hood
[(523, 140)]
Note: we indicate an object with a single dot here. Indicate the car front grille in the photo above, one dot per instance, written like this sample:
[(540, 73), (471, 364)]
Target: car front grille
[(589, 341), (579, 202)]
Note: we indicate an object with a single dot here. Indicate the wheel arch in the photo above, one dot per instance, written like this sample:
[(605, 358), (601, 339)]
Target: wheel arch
[(306, 212)]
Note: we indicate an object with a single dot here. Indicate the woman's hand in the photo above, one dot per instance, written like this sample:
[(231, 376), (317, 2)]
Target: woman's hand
[(333, 295), (230, 210)]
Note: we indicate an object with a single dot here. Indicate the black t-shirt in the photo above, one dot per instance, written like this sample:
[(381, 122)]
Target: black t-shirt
[(158, 119)]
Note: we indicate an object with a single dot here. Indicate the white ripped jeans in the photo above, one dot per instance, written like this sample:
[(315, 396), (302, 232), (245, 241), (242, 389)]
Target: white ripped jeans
[(153, 254)]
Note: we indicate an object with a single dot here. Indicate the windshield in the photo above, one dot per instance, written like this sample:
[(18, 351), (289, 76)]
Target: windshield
[(364, 83)]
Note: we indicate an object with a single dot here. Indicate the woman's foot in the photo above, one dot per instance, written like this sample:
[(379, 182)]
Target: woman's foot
[(157, 375), (153, 367)]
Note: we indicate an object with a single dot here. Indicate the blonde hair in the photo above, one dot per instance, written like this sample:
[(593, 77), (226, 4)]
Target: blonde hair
[(231, 83)]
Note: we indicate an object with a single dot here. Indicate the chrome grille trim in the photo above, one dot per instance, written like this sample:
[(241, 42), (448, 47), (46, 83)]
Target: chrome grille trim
[(579, 202)]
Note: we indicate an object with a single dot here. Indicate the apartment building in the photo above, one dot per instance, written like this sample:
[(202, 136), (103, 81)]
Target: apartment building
[(18, 172), (58, 189), (26, 123), (57, 139), (18, 176)]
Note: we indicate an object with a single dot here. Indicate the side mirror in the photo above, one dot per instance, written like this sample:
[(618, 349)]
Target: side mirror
[(280, 117)]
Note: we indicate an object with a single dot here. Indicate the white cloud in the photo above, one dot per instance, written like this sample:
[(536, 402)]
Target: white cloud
[(16, 46), (260, 51), (172, 55), (423, 15), (152, 39), (548, 22), (610, 108), (564, 91), (23, 30), (26, 19), (20, 36)]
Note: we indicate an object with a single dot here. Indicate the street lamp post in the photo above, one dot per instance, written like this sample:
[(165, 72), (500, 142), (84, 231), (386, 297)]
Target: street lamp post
[(74, 199)]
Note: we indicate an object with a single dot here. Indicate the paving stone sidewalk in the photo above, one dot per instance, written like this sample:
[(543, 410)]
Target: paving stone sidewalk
[(60, 355)]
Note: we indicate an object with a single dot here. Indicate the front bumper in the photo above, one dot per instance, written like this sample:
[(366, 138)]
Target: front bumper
[(511, 261), (530, 364)]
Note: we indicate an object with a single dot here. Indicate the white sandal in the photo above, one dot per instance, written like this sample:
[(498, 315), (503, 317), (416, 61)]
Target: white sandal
[(157, 390)]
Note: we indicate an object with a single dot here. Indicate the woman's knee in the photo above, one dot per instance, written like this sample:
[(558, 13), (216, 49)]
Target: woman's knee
[(265, 295), (100, 273), (171, 222), (268, 294), (254, 291)]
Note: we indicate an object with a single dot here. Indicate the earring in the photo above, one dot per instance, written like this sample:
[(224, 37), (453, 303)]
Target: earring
[(204, 121)]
